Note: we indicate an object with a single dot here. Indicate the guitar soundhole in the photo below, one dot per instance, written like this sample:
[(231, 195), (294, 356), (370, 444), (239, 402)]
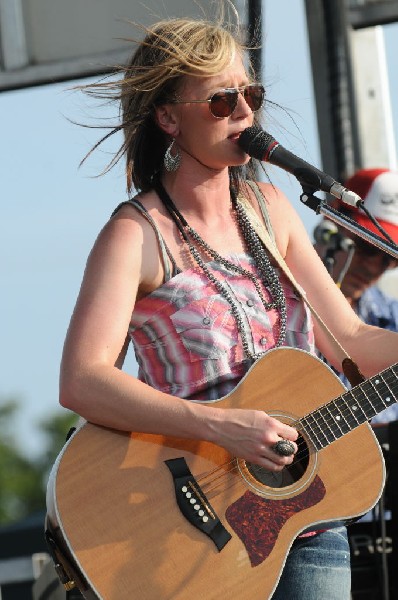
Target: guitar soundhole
[(289, 475)]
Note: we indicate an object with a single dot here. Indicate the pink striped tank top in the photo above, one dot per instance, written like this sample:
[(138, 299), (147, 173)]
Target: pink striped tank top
[(186, 340)]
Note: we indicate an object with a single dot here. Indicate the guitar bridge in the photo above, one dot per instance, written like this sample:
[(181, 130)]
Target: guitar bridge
[(194, 505)]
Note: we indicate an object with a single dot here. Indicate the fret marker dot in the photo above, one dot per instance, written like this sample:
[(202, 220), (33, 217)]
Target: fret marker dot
[(388, 399)]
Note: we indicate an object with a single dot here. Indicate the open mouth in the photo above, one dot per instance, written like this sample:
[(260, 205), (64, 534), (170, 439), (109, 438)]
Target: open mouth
[(234, 136)]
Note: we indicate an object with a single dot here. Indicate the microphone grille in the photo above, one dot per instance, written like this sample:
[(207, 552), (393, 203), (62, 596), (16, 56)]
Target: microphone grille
[(255, 142)]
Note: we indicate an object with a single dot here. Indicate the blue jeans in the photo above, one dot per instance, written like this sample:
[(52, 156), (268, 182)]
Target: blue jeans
[(317, 568)]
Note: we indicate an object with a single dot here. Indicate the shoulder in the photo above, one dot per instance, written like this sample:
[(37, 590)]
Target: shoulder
[(276, 201), (375, 293), (133, 208), (375, 307), (128, 244), (285, 222), (383, 301), (131, 218)]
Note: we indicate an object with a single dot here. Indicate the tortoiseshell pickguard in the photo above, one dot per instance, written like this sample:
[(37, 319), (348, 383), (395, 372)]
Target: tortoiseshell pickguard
[(257, 521)]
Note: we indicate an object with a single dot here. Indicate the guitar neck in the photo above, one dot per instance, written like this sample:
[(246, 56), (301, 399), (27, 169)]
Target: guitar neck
[(353, 408)]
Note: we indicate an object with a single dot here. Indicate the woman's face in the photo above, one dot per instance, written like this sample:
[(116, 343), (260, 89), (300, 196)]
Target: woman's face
[(200, 135)]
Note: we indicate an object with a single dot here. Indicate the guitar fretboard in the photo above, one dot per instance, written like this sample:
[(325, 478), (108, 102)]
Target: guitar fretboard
[(343, 414)]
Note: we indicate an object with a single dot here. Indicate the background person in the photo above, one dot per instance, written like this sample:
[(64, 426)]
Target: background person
[(378, 188)]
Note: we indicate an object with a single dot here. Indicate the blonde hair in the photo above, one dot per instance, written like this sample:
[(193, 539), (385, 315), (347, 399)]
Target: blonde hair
[(171, 50)]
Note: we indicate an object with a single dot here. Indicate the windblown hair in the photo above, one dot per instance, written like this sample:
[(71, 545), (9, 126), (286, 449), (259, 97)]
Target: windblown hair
[(171, 50)]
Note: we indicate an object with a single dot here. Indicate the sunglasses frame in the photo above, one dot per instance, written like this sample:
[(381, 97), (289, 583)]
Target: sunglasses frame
[(236, 90)]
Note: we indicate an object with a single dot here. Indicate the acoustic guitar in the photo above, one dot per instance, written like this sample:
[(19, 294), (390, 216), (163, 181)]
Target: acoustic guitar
[(148, 517)]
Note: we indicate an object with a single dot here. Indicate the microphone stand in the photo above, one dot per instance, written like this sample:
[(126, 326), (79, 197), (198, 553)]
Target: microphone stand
[(322, 208), (329, 259)]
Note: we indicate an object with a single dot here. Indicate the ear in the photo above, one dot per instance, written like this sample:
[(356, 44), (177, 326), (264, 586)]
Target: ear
[(167, 119)]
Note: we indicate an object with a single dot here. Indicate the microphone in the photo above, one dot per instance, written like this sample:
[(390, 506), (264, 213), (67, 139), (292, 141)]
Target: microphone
[(327, 234), (259, 144)]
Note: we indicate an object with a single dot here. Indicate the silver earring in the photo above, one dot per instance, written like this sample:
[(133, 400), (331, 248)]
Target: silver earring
[(171, 163)]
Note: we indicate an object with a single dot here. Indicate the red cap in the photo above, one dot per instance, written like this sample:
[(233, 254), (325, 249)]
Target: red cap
[(378, 188)]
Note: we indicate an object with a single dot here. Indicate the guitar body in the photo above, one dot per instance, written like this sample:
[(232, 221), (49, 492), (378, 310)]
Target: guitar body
[(113, 504)]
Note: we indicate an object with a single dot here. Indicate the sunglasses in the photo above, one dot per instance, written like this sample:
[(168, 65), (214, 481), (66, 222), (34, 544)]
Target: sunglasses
[(223, 103), (368, 250)]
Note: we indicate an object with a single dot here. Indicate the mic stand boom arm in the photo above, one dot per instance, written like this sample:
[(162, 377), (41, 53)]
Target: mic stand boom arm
[(321, 207)]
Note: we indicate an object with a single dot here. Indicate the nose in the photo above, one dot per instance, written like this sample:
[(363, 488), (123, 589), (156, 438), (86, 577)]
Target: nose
[(242, 109)]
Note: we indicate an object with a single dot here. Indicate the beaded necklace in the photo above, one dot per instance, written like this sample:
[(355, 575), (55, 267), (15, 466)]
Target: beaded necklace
[(267, 273)]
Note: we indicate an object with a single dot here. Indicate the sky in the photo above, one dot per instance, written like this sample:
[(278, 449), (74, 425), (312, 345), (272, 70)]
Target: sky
[(52, 210)]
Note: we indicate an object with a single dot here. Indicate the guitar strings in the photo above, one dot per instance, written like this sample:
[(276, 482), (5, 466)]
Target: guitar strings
[(210, 484), (215, 478)]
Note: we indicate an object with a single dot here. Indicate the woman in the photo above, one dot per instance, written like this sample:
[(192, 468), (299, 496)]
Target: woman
[(180, 270)]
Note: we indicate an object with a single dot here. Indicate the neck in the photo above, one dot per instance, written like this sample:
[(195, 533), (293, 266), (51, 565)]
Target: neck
[(195, 195)]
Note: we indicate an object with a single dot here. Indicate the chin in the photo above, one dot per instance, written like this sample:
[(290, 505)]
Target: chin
[(240, 161), (351, 291)]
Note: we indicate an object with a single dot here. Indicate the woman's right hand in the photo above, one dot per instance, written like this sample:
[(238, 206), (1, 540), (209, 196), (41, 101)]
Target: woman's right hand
[(251, 435)]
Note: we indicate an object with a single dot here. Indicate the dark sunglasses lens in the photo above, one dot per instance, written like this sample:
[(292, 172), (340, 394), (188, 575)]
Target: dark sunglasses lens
[(363, 247), (223, 104), (254, 96), (368, 250)]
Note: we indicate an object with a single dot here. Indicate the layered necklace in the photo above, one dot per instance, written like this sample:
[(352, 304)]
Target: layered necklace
[(257, 251)]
